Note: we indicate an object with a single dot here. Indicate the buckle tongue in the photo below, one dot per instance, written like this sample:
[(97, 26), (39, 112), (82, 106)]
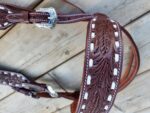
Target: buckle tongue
[(51, 19)]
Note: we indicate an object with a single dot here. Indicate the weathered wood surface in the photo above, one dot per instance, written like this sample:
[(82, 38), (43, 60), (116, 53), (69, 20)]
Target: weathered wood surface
[(16, 43), (52, 105), (57, 46), (123, 11), (18, 103), (32, 51), (136, 97), (22, 3), (4, 91), (35, 51), (64, 110)]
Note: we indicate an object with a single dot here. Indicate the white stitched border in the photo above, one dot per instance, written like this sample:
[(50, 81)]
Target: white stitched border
[(115, 71)]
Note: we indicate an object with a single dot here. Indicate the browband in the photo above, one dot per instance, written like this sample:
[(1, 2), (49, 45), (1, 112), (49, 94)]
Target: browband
[(103, 58)]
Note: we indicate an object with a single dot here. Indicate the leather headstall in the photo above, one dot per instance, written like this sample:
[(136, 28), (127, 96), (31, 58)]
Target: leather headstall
[(102, 76)]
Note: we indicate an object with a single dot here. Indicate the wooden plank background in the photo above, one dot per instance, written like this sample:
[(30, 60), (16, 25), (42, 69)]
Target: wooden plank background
[(56, 56)]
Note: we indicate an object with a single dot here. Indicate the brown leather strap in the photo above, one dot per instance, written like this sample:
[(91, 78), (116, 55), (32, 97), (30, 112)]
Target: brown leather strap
[(11, 14), (134, 63), (130, 72), (103, 60)]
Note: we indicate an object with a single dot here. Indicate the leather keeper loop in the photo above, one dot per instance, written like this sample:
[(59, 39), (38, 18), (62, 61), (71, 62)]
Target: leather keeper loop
[(18, 17)]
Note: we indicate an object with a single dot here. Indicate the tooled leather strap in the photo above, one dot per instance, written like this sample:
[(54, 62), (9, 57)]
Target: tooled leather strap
[(103, 60), (103, 66), (130, 72)]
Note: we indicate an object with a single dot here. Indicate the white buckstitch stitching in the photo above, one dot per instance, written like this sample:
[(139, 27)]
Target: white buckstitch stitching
[(115, 90), (116, 84), (88, 52)]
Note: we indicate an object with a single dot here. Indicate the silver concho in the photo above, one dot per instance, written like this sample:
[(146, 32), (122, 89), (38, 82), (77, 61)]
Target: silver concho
[(52, 17)]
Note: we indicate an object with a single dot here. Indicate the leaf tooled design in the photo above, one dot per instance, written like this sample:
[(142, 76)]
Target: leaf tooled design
[(102, 73)]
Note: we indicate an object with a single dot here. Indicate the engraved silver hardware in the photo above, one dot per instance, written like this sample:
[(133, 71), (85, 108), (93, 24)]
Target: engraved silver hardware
[(52, 92), (52, 18), (35, 88)]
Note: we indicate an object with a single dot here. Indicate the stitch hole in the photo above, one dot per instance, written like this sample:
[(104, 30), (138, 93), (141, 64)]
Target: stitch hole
[(93, 26), (12, 74), (5, 73), (116, 34), (116, 57), (6, 23), (2, 8), (94, 19), (112, 20), (9, 12), (109, 98), (115, 26), (106, 107), (89, 80), (117, 44), (10, 84), (93, 34), (91, 62), (115, 71), (86, 96), (4, 83), (83, 106), (113, 85), (92, 47)]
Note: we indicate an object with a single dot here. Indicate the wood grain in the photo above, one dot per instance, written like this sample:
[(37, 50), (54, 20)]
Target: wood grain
[(115, 110), (123, 11), (5, 91), (136, 97), (63, 110), (36, 52), (22, 3), (32, 51), (25, 104)]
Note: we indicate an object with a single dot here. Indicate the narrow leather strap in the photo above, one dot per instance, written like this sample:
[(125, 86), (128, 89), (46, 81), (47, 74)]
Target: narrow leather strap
[(11, 15), (135, 61)]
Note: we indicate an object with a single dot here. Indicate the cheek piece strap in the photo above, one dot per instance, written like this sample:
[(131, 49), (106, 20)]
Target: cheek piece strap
[(102, 75)]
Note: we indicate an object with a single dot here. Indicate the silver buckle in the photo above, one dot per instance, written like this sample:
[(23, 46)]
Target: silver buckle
[(52, 18), (35, 89)]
